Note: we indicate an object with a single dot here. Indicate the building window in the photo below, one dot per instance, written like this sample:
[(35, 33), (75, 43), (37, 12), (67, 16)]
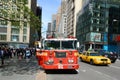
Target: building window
[(96, 14), (94, 21), (102, 14), (94, 28), (3, 22), (3, 37), (24, 39), (97, 5), (14, 38), (24, 31), (25, 24), (15, 31), (101, 29), (102, 21)]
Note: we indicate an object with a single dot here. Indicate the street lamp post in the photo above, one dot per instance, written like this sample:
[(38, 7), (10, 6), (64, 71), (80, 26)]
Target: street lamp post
[(94, 42)]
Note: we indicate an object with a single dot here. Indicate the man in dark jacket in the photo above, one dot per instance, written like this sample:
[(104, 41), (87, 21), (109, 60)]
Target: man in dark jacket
[(2, 56)]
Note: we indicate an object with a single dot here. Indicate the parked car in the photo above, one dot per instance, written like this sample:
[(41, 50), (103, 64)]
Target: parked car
[(94, 58), (111, 55)]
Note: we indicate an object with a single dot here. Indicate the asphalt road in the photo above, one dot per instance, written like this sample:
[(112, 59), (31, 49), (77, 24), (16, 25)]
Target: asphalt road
[(29, 70), (88, 72)]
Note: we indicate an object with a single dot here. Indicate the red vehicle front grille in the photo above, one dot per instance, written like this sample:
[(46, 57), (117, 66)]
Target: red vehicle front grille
[(60, 54)]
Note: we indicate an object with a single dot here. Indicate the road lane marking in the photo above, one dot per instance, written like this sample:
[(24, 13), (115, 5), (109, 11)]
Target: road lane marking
[(83, 70), (99, 72), (107, 77)]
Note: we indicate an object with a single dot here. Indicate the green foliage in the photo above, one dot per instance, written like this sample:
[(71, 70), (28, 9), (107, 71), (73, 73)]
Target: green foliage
[(34, 21), (17, 12), (16, 24)]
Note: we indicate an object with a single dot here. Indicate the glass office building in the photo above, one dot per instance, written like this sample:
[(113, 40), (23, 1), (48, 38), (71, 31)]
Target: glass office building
[(98, 24)]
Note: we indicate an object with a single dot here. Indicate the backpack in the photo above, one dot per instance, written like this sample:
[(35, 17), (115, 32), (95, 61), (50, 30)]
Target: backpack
[(27, 52)]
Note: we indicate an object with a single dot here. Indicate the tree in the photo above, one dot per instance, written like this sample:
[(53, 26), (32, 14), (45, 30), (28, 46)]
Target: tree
[(16, 11)]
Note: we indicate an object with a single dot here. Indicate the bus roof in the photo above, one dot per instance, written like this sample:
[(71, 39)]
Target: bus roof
[(61, 39)]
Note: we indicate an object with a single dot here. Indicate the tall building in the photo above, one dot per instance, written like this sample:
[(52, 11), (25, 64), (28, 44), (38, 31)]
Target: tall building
[(63, 6), (70, 17), (63, 19), (33, 33), (98, 24), (39, 15), (58, 18), (63, 25), (10, 34), (72, 8), (53, 23), (78, 7), (49, 30)]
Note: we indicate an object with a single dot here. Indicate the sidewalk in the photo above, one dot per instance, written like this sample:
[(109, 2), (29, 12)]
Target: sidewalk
[(15, 69)]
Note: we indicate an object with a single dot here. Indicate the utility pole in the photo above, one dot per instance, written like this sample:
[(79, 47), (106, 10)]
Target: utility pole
[(94, 42)]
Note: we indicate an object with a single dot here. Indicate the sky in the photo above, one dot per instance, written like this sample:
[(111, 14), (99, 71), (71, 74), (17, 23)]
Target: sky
[(49, 7)]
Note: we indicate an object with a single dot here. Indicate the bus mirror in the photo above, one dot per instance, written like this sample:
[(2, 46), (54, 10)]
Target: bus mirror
[(39, 45), (78, 45)]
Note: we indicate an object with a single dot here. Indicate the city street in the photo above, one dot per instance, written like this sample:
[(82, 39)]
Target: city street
[(29, 70), (25, 69), (89, 72), (39, 35)]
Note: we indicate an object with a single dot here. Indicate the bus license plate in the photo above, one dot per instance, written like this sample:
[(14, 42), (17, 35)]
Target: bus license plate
[(60, 66), (69, 67)]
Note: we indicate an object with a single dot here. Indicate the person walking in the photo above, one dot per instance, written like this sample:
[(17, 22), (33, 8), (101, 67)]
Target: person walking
[(2, 56), (27, 53)]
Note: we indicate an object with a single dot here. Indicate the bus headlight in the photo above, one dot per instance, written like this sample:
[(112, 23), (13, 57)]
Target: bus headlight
[(50, 61), (70, 60)]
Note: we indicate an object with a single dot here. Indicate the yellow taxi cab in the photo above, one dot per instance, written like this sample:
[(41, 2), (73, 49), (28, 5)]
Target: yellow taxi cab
[(94, 58)]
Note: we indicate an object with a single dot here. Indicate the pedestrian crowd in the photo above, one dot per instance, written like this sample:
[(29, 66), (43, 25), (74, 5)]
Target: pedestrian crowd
[(20, 53)]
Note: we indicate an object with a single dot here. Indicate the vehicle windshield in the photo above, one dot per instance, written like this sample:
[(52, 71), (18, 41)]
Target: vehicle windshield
[(55, 44), (94, 54)]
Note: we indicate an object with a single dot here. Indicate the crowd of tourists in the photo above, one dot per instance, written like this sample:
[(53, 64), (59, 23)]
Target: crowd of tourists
[(19, 53)]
